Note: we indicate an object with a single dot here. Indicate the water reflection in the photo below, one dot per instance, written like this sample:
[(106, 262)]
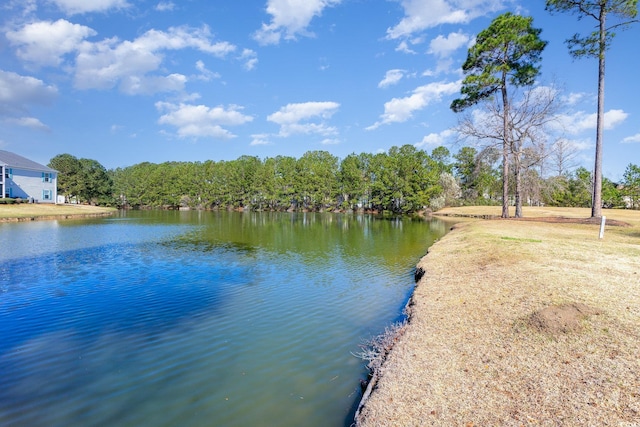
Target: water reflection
[(197, 318)]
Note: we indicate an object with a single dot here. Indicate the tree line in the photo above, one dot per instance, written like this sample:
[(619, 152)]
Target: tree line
[(403, 180)]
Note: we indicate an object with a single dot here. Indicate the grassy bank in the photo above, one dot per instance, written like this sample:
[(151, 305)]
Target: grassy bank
[(41, 211), (519, 323)]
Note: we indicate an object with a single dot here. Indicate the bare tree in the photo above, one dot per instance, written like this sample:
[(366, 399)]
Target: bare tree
[(529, 115), (563, 156)]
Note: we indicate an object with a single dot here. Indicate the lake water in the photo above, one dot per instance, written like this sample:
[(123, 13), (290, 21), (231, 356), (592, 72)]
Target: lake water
[(197, 318)]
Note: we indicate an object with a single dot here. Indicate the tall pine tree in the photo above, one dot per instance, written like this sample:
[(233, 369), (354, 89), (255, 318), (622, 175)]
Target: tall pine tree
[(595, 45), (506, 53)]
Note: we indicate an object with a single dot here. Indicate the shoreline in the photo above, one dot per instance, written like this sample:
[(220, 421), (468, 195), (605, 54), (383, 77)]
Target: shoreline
[(54, 217), (480, 347), (46, 212)]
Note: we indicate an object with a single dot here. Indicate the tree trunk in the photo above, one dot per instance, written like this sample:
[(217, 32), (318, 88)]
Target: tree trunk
[(596, 206), (518, 185), (505, 149)]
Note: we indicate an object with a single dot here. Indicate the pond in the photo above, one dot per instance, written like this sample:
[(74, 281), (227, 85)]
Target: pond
[(195, 318)]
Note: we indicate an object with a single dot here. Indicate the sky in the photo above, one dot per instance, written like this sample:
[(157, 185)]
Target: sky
[(130, 81)]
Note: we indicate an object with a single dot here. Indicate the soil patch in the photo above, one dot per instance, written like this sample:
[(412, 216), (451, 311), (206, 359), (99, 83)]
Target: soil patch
[(561, 319)]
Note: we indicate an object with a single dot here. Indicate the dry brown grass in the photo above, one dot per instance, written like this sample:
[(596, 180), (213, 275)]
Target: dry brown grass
[(474, 352), (36, 211)]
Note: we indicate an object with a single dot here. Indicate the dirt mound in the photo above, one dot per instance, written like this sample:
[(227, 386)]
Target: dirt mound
[(557, 319)]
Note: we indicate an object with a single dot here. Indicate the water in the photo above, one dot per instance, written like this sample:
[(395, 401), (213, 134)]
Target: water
[(197, 318)]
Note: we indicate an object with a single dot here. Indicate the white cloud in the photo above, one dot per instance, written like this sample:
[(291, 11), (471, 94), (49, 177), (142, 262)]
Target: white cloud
[(177, 38), (633, 138), (580, 144), (148, 85), (574, 98), (613, 118), (330, 141), (444, 46), (295, 118), (260, 139), (165, 6), (250, 59), (401, 109), (423, 14), (72, 7), (46, 42), (18, 92), (205, 74), (194, 121), (435, 138), (111, 62), (581, 121), (443, 66), (28, 122), (24, 8), (403, 46), (293, 113), (391, 77), (290, 18)]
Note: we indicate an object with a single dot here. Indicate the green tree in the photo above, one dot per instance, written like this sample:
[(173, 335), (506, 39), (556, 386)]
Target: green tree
[(353, 181), (595, 45), (132, 186), (276, 181), (95, 183), (465, 168), (488, 175), (572, 190), (505, 54), (268, 179), (631, 182), (611, 194), (442, 156), (242, 180), (404, 180), (69, 175), (317, 179)]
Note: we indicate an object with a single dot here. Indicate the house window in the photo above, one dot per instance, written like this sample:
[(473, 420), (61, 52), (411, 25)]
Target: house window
[(8, 173), (47, 177), (46, 194)]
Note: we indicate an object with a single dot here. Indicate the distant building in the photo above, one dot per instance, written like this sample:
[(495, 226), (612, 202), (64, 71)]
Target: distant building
[(26, 179)]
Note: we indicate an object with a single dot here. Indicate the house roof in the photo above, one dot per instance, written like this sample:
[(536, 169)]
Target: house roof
[(13, 160)]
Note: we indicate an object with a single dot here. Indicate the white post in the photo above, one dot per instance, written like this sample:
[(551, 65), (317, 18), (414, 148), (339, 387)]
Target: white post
[(604, 219)]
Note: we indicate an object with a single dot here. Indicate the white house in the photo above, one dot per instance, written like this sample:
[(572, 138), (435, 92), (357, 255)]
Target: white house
[(26, 179)]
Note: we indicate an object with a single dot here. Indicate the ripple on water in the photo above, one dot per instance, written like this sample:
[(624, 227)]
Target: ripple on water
[(194, 323)]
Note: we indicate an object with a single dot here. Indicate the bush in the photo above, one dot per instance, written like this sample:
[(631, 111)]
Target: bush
[(437, 203), (7, 201)]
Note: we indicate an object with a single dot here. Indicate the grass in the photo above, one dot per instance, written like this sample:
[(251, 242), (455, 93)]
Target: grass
[(516, 239), (35, 211), (472, 353)]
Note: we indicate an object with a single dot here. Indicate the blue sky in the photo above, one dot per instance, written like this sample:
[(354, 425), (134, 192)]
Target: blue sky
[(127, 81)]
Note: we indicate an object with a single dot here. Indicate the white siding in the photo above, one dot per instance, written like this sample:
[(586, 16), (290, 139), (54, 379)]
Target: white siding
[(29, 184), (2, 182)]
